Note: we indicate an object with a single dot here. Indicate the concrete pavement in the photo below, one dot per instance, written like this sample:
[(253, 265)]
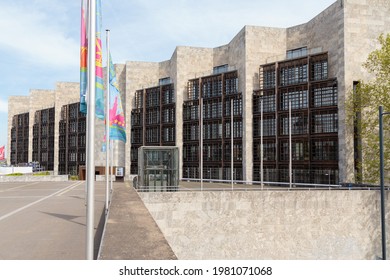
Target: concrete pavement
[(46, 220), (131, 233)]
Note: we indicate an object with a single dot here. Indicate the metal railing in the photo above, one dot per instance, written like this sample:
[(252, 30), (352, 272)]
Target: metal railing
[(191, 184)]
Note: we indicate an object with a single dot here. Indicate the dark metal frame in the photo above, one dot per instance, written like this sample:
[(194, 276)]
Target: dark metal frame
[(19, 138), (217, 92), (149, 127), (72, 139), (301, 79)]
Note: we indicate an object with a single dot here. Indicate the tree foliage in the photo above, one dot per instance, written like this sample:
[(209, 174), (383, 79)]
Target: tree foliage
[(362, 110)]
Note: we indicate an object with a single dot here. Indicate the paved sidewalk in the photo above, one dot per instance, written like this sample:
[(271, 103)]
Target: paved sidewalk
[(131, 233)]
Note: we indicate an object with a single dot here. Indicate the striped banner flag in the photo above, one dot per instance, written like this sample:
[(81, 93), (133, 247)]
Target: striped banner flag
[(99, 63), (99, 95), (83, 57), (117, 116)]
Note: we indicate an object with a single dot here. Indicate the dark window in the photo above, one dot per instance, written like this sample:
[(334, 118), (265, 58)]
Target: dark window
[(297, 96), (191, 132), (326, 149), (296, 53), (220, 69), (299, 124), (319, 70), (269, 126), (269, 79), (231, 85), (299, 150), (325, 122), (324, 96), (295, 74)]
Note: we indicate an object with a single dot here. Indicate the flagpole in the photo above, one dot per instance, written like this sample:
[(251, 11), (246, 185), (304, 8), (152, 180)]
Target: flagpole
[(90, 160), (107, 119), (231, 143), (261, 145), (289, 144), (201, 141), (111, 161)]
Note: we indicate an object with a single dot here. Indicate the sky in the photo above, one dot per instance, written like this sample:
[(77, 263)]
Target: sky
[(40, 39)]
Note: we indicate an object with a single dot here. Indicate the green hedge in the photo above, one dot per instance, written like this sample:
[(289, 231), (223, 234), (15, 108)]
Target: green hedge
[(43, 173), (15, 174)]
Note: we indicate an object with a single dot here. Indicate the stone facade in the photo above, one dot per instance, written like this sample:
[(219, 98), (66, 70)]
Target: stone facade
[(270, 225), (347, 31)]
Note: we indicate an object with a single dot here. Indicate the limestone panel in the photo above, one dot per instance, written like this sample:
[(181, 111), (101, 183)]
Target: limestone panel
[(304, 225), (365, 20)]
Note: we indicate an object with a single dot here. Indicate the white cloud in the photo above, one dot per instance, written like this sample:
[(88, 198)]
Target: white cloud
[(150, 30), (37, 36)]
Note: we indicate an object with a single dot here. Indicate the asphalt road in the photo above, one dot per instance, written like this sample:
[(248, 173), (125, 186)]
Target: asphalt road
[(47, 220)]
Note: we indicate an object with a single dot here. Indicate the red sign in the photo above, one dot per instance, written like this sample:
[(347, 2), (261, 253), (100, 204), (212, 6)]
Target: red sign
[(2, 152)]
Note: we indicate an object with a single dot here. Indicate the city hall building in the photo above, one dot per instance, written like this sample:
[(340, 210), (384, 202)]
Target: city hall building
[(240, 94)]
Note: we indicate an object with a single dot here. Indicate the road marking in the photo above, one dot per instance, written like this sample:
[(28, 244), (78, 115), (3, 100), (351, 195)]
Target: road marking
[(18, 187), (36, 202), (15, 197), (67, 190)]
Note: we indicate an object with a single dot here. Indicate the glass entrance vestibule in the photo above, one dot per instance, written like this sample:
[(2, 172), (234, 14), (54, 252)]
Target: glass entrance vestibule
[(158, 168)]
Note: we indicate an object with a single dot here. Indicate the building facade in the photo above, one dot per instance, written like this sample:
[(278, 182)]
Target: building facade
[(298, 95), (311, 66)]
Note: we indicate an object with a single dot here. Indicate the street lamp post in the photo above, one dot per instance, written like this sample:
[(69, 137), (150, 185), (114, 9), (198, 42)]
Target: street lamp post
[(382, 180)]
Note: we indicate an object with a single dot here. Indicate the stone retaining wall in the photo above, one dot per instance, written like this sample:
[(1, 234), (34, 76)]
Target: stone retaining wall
[(270, 224), (31, 178)]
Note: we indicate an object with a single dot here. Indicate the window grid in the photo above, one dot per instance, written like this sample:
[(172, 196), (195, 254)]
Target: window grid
[(324, 96), (212, 110), (136, 118), (191, 153), (237, 107), (212, 130), (237, 129), (300, 150), (237, 152), (231, 85), (190, 171), (168, 134), (319, 70), (212, 87), (295, 74), (269, 126), (217, 92), (324, 149), (325, 122), (299, 124), (212, 152), (193, 89), (297, 96), (191, 132)]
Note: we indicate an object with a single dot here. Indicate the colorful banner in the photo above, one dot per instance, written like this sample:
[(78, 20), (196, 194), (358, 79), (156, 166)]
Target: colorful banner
[(99, 94), (99, 67), (83, 57), (2, 153), (117, 116)]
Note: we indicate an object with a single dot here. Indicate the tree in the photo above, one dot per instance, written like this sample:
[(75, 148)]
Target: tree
[(362, 109)]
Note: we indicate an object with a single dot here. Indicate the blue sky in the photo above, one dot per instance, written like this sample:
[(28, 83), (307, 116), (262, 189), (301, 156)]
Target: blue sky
[(39, 42)]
